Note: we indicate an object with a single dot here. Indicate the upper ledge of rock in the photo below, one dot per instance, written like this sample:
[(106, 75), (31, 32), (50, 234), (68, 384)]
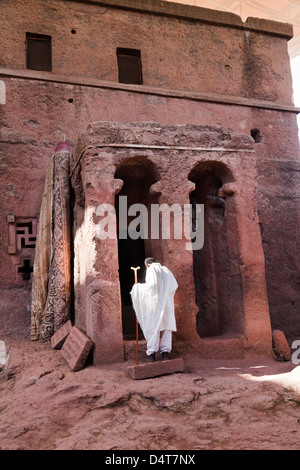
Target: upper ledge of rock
[(195, 13)]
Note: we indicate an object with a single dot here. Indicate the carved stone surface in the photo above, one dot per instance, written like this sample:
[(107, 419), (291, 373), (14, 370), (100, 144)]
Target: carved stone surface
[(281, 345), (155, 369), (76, 349), (58, 339)]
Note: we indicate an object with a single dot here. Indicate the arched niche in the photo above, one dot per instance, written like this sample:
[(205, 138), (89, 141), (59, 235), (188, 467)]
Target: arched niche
[(216, 267)]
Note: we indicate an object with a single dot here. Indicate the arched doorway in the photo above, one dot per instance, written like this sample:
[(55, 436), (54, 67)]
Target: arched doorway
[(217, 276), (138, 175)]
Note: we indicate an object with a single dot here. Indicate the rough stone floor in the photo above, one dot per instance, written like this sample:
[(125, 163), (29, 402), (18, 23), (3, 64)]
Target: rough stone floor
[(213, 405)]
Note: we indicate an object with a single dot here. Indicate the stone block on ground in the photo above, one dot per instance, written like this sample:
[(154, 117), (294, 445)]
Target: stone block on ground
[(155, 369), (76, 348), (281, 345), (58, 339)]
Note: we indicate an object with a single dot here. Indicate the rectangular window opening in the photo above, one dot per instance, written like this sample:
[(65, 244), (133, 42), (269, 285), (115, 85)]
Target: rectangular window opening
[(38, 52), (129, 66)]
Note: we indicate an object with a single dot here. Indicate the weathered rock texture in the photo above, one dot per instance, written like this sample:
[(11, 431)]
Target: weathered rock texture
[(200, 68), (156, 369), (281, 345), (46, 406)]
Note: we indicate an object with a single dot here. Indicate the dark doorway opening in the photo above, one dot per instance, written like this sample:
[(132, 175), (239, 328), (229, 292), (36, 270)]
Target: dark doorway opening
[(138, 175)]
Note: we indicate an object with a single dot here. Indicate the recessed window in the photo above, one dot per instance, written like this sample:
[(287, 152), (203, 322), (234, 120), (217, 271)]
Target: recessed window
[(130, 66), (256, 135), (38, 52)]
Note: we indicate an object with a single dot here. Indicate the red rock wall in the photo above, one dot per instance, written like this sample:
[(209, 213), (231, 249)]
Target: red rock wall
[(177, 53), (194, 73)]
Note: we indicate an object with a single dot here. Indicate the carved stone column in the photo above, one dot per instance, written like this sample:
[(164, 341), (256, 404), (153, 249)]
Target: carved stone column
[(178, 257), (96, 260)]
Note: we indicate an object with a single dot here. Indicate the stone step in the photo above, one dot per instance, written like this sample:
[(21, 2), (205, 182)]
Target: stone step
[(155, 369)]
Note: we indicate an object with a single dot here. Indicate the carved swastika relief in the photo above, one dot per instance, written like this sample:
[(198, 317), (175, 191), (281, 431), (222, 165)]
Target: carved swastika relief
[(21, 244), (21, 233), (26, 235)]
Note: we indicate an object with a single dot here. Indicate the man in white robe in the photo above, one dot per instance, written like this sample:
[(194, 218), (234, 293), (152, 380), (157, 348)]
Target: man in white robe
[(153, 303)]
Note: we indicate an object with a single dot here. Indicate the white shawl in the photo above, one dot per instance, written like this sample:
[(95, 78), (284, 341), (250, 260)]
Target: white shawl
[(153, 301)]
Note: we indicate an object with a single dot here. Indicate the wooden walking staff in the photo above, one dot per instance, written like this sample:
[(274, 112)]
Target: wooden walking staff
[(136, 321)]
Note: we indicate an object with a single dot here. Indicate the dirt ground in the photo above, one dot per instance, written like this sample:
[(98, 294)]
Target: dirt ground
[(213, 405)]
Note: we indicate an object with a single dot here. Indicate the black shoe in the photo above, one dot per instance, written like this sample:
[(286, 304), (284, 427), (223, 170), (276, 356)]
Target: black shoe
[(151, 358), (165, 356)]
